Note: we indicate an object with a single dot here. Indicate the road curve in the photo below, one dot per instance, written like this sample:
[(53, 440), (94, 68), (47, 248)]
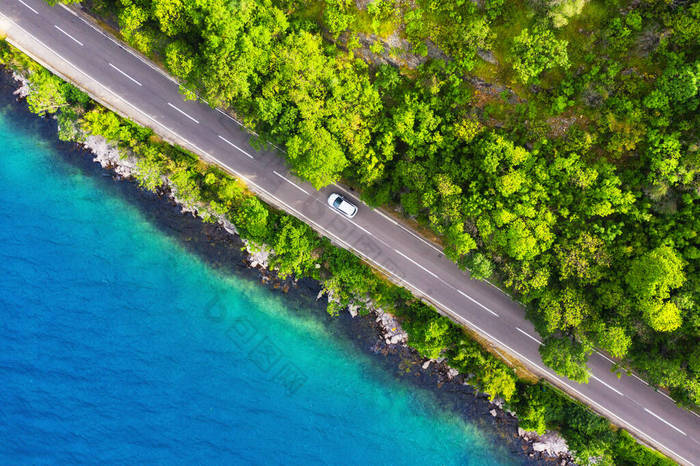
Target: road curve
[(72, 47)]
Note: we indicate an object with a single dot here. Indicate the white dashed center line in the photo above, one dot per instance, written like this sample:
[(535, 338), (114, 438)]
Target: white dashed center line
[(611, 388), (358, 226), (477, 302), (36, 12), (290, 182), (665, 421), (126, 75), (415, 263), (235, 146), (422, 239), (76, 40), (191, 118)]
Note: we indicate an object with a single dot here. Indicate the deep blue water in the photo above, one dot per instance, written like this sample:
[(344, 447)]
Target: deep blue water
[(118, 345)]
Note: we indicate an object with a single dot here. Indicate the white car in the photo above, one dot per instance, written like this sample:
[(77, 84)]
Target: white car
[(340, 204)]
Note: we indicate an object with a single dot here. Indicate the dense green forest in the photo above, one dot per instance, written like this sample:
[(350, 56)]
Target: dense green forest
[(300, 251), (552, 145)]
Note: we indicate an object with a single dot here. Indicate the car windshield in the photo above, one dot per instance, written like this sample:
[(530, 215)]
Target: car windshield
[(337, 202)]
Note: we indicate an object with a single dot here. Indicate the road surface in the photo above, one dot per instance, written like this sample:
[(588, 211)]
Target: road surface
[(74, 48)]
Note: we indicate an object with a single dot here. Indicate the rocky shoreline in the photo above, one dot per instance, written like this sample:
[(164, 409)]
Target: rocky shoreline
[(376, 333)]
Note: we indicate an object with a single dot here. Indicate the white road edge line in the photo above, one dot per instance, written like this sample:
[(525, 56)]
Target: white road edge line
[(347, 192), (341, 241), (235, 146), (605, 357), (415, 263), (290, 182), (665, 395), (36, 12), (611, 388), (126, 75), (386, 216), (640, 379), (422, 239), (76, 40), (230, 117), (527, 335), (665, 421), (431, 245), (476, 302), (191, 118)]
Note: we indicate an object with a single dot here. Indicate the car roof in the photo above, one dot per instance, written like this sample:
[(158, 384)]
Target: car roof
[(346, 207)]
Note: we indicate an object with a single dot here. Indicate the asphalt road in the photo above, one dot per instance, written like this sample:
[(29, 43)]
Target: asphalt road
[(75, 49)]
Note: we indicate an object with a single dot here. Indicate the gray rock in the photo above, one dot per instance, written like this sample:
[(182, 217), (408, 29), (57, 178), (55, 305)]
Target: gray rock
[(487, 56), (539, 446), (363, 4)]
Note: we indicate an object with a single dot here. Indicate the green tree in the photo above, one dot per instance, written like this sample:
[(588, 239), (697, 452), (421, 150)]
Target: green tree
[(615, 340), (536, 51), (585, 259), (567, 357), (563, 10), (316, 156), (430, 338), (132, 18), (459, 242), (655, 273), (662, 316), (498, 380), (252, 218), (294, 245), (565, 310), (47, 93), (479, 265), (170, 15), (179, 58), (149, 172), (337, 17), (68, 127)]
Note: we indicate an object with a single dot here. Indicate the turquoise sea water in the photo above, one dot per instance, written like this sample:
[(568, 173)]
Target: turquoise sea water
[(117, 345)]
